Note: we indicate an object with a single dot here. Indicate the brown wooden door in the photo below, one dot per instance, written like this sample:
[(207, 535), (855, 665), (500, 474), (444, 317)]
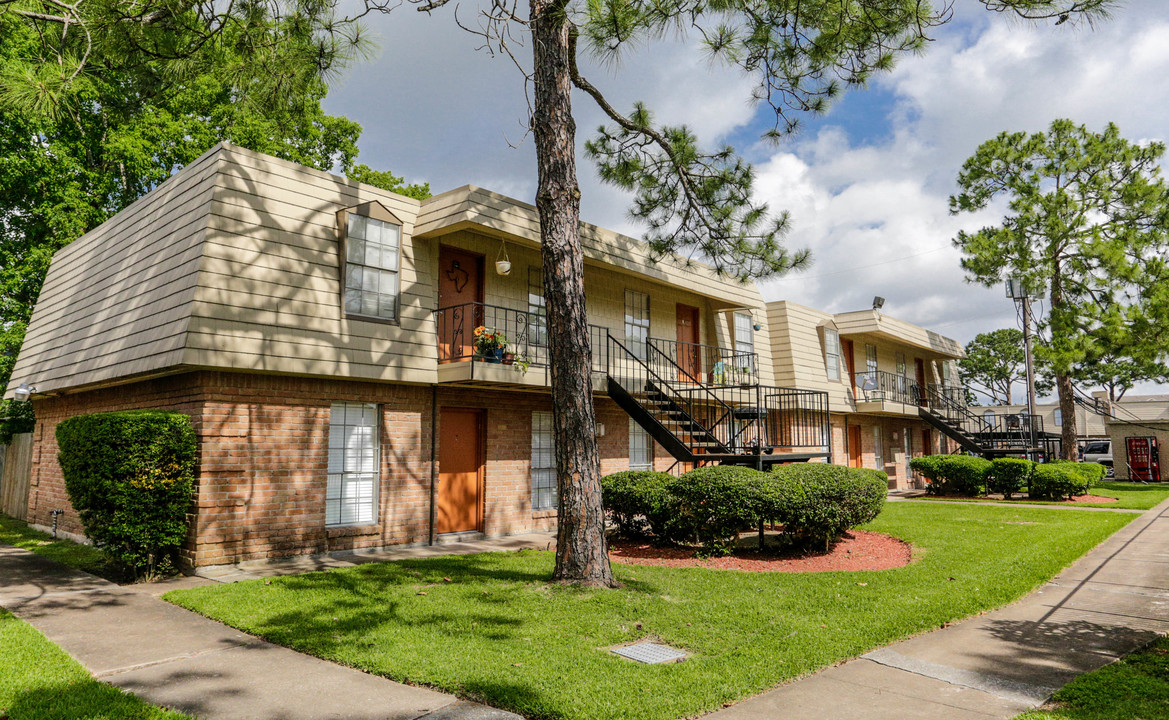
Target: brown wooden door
[(460, 470), (854, 446), (846, 346), (927, 442), (688, 351), (460, 283), (919, 369)]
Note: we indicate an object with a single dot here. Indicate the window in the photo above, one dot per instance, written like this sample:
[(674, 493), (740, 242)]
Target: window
[(908, 441), (1058, 417), (641, 454), (744, 333), (543, 462), (878, 448), (988, 419), (901, 367), (537, 311), (351, 488), (371, 266), (636, 322), (871, 360), (832, 353)]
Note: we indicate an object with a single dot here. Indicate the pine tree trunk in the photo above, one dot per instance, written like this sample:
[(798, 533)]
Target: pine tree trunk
[(581, 555), (1068, 449)]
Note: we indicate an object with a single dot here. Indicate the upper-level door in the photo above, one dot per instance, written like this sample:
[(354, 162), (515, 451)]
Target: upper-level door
[(919, 368), (689, 358), (460, 287), (847, 348)]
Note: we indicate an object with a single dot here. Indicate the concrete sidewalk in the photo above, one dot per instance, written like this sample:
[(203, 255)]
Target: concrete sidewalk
[(165, 655), (1107, 604)]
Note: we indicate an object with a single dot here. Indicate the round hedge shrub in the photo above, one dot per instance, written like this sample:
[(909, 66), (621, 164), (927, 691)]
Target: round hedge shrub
[(819, 502), (927, 466), (1064, 479), (717, 502), (639, 502), (130, 476), (1008, 475), (964, 474)]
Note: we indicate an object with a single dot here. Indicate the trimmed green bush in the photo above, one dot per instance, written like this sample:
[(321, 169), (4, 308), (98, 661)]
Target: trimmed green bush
[(1063, 479), (959, 474), (927, 466), (717, 502), (1008, 475), (639, 502), (820, 502), (130, 476)]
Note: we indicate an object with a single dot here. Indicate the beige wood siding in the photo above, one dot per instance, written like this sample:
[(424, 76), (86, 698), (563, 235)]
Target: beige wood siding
[(115, 301), (798, 352)]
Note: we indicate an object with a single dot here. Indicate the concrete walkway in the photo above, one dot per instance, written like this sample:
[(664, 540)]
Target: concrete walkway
[(168, 656), (1110, 602)]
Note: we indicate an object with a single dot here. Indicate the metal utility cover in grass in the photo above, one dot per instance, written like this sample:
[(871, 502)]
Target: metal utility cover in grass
[(650, 653)]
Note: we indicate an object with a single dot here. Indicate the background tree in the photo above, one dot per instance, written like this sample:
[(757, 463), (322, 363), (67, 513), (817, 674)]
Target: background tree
[(1088, 217), (693, 201), (68, 163), (995, 362)]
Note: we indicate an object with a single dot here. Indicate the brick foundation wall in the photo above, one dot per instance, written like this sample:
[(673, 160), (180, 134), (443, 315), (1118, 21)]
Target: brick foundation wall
[(264, 457)]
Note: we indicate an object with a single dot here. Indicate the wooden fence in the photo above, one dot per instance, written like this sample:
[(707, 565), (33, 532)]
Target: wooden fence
[(14, 476)]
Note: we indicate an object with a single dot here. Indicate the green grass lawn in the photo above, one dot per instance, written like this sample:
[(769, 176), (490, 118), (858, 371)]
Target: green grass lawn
[(39, 681), (83, 557), (1135, 688), (490, 627), (1129, 496)]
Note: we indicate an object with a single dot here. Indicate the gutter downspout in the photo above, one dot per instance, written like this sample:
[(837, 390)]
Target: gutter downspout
[(433, 458)]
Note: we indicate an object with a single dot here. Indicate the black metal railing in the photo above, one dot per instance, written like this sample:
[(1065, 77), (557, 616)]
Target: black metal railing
[(990, 432), (710, 364), (524, 334), (718, 419), (881, 385)]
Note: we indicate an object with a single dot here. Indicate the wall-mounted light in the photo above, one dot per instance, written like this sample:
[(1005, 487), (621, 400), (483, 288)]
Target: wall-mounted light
[(23, 392), (878, 302)]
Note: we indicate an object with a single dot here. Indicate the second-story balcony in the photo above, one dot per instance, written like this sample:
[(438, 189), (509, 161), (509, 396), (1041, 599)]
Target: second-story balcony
[(708, 364), (481, 343)]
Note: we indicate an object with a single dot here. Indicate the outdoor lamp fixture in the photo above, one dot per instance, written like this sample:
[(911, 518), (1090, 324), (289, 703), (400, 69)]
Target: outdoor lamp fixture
[(878, 302), (23, 392)]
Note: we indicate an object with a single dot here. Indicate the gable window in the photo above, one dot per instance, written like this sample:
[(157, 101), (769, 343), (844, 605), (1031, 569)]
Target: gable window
[(988, 419), (543, 462), (832, 353), (1059, 417), (641, 456), (373, 240), (353, 472), (636, 322)]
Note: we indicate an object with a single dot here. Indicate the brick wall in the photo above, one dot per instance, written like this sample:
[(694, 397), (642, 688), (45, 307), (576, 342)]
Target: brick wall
[(893, 431), (264, 456)]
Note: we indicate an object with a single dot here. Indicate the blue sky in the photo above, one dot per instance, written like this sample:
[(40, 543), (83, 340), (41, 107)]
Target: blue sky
[(867, 184)]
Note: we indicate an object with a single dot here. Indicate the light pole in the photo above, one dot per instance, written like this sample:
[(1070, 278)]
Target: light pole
[(1017, 291)]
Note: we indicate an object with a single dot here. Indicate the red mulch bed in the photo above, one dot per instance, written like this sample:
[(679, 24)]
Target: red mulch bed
[(1076, 499), (858, 550)]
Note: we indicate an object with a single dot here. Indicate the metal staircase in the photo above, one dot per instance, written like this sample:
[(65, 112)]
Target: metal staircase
[(997, 436), (700, 423)]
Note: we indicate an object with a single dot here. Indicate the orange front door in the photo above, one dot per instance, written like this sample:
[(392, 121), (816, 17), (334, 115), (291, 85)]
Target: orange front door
[(688, 358), (460, 470), (460, 284), (854, 446)]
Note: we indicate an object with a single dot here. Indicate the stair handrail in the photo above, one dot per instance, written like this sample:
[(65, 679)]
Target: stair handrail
[(674, 394)]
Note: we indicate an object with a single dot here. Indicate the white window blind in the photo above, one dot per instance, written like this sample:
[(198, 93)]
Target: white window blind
[(354, 469), (543, 462), (640, 447), (371, 267), (832, 353)]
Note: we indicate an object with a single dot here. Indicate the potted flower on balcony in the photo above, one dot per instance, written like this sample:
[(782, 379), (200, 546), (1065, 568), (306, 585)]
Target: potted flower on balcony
[(490, 344)]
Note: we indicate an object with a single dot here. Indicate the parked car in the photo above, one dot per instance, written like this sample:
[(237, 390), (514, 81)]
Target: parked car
[(1100, 451)]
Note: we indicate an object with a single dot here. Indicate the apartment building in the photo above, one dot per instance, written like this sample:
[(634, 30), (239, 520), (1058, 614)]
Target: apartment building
[(880, 374), (364, 369)]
